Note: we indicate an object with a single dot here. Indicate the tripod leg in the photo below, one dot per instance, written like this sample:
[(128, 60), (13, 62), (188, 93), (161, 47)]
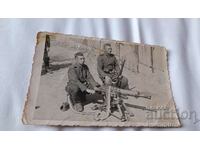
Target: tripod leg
[(122, 114), (130, 114)]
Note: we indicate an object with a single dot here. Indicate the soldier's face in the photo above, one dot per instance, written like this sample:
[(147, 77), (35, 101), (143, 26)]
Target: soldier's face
[(108, 49), (80, 60)]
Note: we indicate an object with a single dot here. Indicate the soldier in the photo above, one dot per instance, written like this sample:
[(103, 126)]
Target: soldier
[(80, 82), (109, 70)]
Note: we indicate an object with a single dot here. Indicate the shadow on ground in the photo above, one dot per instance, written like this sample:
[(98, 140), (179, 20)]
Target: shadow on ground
[(54, 67)]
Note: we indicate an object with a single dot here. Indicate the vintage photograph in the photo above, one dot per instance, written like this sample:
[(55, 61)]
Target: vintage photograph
[(87, 81)]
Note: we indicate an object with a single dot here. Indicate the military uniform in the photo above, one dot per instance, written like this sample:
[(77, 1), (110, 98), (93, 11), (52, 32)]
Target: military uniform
[(80, 79), (107, 65)]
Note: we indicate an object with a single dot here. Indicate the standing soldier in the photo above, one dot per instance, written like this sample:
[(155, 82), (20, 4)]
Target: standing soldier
[(46, 56), (109, 70), (80, 82)]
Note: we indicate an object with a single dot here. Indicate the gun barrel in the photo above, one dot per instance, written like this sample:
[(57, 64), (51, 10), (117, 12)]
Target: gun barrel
[(117, 90), (125, 92)]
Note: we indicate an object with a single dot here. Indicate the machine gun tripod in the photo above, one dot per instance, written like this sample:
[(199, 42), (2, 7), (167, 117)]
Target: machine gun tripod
[(114, 100)]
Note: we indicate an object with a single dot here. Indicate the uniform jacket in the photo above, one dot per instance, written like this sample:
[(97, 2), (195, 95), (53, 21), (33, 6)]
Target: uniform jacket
[(81, 76), (107, 65)]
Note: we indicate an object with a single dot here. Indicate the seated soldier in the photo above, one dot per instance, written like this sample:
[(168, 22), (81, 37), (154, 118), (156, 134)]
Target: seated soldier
[(108, 69), (80, 82)]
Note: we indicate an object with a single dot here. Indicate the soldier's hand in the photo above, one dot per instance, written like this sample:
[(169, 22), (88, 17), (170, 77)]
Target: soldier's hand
[(90, 91), (108, 80), (136, 93), (96, 88), (120, 77)]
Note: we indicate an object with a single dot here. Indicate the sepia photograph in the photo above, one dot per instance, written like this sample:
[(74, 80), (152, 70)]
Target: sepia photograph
[(87, 81)]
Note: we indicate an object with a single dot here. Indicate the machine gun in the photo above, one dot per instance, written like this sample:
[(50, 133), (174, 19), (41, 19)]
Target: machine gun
[(114, 99), (115, 91)]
